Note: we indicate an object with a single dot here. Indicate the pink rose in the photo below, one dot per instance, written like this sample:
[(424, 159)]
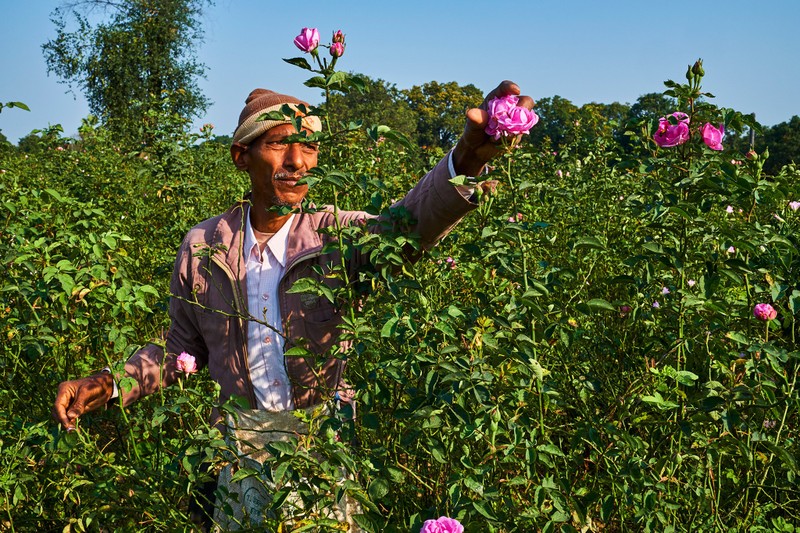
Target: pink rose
[(668, 134), (186, 363), (338, 37), (308, 40), (764, 312), (443, 524), (506, 119), (337, 49), (712, 136)]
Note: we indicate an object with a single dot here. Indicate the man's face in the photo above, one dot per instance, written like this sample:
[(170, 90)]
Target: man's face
[(274, 167)]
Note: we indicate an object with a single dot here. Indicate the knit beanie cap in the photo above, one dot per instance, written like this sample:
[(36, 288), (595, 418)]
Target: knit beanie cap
[(262, 101)]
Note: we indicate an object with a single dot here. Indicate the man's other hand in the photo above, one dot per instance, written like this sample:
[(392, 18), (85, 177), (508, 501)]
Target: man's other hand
[(80, 396)]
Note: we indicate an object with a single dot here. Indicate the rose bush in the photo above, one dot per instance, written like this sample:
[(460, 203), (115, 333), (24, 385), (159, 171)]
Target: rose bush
[(534, 387)]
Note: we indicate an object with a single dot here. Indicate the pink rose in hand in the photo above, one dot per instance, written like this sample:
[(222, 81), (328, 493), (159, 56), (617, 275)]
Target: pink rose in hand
[(506, 119), (668, 134), (712, 136), (443, 524), (308, 40), (764, 312), (186, 363)]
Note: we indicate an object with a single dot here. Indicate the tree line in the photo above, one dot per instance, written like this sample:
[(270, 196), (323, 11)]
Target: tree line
[(138, 71)]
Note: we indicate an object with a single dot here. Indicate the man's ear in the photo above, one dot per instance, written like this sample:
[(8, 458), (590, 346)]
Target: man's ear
[(239, 156)]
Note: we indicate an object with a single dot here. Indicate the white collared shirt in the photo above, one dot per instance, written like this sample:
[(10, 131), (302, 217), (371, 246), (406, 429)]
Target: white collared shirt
[(265, 345)]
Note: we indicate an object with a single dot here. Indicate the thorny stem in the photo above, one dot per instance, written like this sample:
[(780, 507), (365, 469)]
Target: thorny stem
[(509, 148)]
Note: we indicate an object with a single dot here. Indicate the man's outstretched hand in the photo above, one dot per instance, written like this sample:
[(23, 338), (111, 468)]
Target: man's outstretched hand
[(475, 148), (80, 396)]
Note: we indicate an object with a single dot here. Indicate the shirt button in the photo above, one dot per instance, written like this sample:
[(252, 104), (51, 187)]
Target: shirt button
[(276, 383), (267, 340), (265, 296)]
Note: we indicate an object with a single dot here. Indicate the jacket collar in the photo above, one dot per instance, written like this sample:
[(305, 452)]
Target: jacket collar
[(230, 230)]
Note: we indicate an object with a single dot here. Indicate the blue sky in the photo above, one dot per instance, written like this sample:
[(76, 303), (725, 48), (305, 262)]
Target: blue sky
[(585, 51)]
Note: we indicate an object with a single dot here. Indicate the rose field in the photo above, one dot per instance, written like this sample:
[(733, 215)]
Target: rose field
[(607, 343)]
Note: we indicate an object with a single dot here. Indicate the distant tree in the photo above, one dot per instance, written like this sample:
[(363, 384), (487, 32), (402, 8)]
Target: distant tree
[(559, 120), (138, 70), (783, 141), (40, 140), (380, 103), (440, 109), (222, 139), (30, 144), (652, 105), (3, 139)]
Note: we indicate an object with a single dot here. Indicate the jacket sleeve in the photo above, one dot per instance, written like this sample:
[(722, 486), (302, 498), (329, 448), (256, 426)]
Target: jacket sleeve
[(435, 204), (149, 367)]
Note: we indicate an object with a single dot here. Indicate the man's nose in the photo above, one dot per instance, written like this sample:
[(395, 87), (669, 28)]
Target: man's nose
[(293, 157)]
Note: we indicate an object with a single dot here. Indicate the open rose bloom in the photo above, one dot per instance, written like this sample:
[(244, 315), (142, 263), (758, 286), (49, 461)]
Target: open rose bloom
[(506, 119), (308, 40), (186, 363), (712, 136), (764, 312), (671, 134), (443, 524)]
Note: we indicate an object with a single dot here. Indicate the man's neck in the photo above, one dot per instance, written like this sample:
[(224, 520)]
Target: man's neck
[(265, 221)]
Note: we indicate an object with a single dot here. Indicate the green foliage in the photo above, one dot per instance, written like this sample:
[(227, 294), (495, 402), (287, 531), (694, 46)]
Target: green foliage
[(137, 70), (517, 377)]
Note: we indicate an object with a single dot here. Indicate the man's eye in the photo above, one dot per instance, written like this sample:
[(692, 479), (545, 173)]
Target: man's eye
[(311, 147)]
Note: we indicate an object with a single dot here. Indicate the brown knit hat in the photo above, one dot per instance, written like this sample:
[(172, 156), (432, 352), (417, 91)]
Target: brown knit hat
[(262, 101)]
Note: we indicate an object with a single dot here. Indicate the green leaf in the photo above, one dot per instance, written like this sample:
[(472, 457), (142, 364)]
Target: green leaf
[(316, 81), (589, 242), (653, 247), (272, 115), (599, 304), (299, 62), (737, 336), (445, 328), (297, 351), (378, 488), (782, 454), (388, 328), (336, 78), (483, 508), (243, 473), (54, 193), (438, 454), (550, 449)]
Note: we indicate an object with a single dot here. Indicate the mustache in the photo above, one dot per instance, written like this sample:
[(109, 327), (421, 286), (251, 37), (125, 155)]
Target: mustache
[(287, 176)]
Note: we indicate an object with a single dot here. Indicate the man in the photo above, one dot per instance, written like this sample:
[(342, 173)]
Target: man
[(230, 306)]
